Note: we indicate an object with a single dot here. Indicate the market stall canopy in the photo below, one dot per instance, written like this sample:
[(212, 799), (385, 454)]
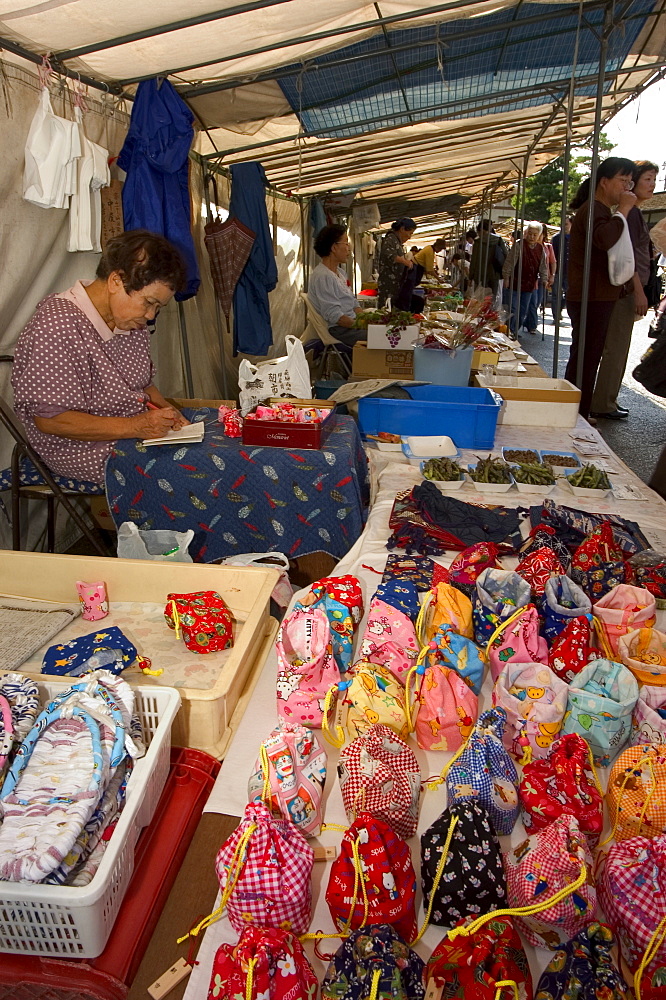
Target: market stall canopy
[(398, 100)]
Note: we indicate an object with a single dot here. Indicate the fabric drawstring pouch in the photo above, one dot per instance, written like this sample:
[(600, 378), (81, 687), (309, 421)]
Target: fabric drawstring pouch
[(461, 654), (489, 964), (649, 569), (563, 782), (623, 609), (372, 881), (545, 536), (534, 700), (636, 793), (306, 667), (414, 569), (369, 695), (600, 705), (483, 771), (553, 865), (341, 600), (461, 865), (648, 720), (374, 962), (516, 640), (203, 619), (289, 776), (466, 568), (401, 595), (389, 639), (441, 708), (270, 964), (444, 605), (538, 567), (644, 651), (571, 650), (584, 968), (499, 594), (598, 564), (380, 775), (563, 601), (19, 706), (107, 648), (632, 894), (265, 874)]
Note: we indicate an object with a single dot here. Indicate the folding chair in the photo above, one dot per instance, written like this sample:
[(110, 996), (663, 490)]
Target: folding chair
[(49, 490), (331, 345)]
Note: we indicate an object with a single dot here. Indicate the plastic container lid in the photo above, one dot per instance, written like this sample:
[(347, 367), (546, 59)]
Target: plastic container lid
[(430, 446)]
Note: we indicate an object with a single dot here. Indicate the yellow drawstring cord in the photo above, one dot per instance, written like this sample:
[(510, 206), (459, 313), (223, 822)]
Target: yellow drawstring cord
[(420, 619), (233, 874), (502, 625), (143, 664), (176, 618), (432, 785), (606, 647), (374, 989), (411, 718), (249, 982), (358, 879), (441, 865), (643, 760), (334, 826), (500, 984), (654, 944), (594, 770), (520, 911), (263, 757), (339, 738)]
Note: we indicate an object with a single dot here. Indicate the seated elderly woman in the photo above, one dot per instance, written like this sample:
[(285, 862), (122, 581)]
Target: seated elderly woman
[(328, 290), (83, 377)]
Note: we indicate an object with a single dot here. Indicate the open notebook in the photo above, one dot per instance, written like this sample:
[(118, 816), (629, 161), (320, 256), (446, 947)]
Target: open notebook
[(189, 434)]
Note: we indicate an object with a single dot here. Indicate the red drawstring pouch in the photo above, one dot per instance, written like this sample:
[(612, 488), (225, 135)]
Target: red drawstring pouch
[(265, 963), (481, 963), (467, 567), (572, 650), (537, 567), (563, 782), (203, 619), (598, 564), (372, 880)]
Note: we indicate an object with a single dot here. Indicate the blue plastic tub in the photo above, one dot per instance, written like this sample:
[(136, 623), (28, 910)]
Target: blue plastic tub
[(469, 416)]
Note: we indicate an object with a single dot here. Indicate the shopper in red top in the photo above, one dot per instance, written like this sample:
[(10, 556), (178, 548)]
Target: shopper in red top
[(614, 184), (535, 266)]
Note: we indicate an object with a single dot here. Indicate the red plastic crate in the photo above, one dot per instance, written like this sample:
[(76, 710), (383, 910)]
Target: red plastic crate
[(158, 857)]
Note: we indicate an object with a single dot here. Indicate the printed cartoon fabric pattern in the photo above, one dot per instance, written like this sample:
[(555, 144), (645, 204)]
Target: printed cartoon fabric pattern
[(272, 884), (296, 774), (563, 601), (632, 894), (548, 861), (449, 607), (379, 774), (371, 696), (372, 881), (306, 666), (535, 700), (341, 600), (469, 967), (636, 793), (644, 651), (403, 596), (108, 648), (563, 782), (518, 642), (203, 618), (239, 499), (445, 707), (485, 773), (389, 639), (499, 594), (272, 961), (584, 968), (622, 610), (571, 650), (472, 880), (413, 569), (648, 720), (462, 655), (601, 701), (374, 958), (598, 564)]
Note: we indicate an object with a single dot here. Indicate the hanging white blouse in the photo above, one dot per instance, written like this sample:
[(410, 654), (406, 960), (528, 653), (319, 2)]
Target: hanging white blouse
[(85, 210), (51, 151)]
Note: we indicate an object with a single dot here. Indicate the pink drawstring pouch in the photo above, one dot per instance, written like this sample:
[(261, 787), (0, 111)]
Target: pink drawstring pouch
[(517, 640), (306, 666), (621, 610), (389, 639), (535, 700)]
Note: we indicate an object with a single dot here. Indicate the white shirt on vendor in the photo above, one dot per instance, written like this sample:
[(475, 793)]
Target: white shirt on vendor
[(330, 294)]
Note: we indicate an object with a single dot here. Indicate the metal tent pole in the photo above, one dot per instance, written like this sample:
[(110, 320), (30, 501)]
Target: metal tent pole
[(519, 279), (186, 351), (515, 227), (587, 260), (218, 310)]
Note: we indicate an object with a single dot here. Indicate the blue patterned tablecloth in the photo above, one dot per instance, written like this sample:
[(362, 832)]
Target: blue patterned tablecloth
[(240, 498)]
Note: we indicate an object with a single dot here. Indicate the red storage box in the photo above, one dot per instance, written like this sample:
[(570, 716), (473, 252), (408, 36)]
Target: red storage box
[(276, 434)]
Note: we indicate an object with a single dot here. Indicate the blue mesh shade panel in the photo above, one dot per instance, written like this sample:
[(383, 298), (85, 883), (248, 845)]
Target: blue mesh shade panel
[(441, 76)]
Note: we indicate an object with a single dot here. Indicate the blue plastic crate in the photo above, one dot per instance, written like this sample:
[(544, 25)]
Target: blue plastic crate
[(468, 416)]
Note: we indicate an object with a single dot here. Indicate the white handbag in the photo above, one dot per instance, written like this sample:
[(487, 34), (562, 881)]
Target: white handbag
[(621, 264)]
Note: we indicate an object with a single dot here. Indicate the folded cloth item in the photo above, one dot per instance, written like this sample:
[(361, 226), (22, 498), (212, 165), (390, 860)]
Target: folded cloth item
[(417, 569), (424, 520), (573, 526), (19, 705), (107, 648), (400, 594)]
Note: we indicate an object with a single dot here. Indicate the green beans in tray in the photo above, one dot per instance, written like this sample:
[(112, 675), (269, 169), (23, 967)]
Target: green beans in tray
[(520, 456), (442, 470), (533, 473), (590, 478), (490, 470)]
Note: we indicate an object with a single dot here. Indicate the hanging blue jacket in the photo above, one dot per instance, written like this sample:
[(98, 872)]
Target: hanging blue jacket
[(155, 156), (252, 319)]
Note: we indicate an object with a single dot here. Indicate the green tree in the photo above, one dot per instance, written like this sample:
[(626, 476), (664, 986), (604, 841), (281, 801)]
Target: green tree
[(543, 191)]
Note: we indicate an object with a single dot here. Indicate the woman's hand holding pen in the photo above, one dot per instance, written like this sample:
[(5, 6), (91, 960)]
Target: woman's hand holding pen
[(155, 423)]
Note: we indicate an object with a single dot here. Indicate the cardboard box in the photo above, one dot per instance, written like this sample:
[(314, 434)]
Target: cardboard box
[(380, 339), (382, 364), (543, 402), (484, 358)]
